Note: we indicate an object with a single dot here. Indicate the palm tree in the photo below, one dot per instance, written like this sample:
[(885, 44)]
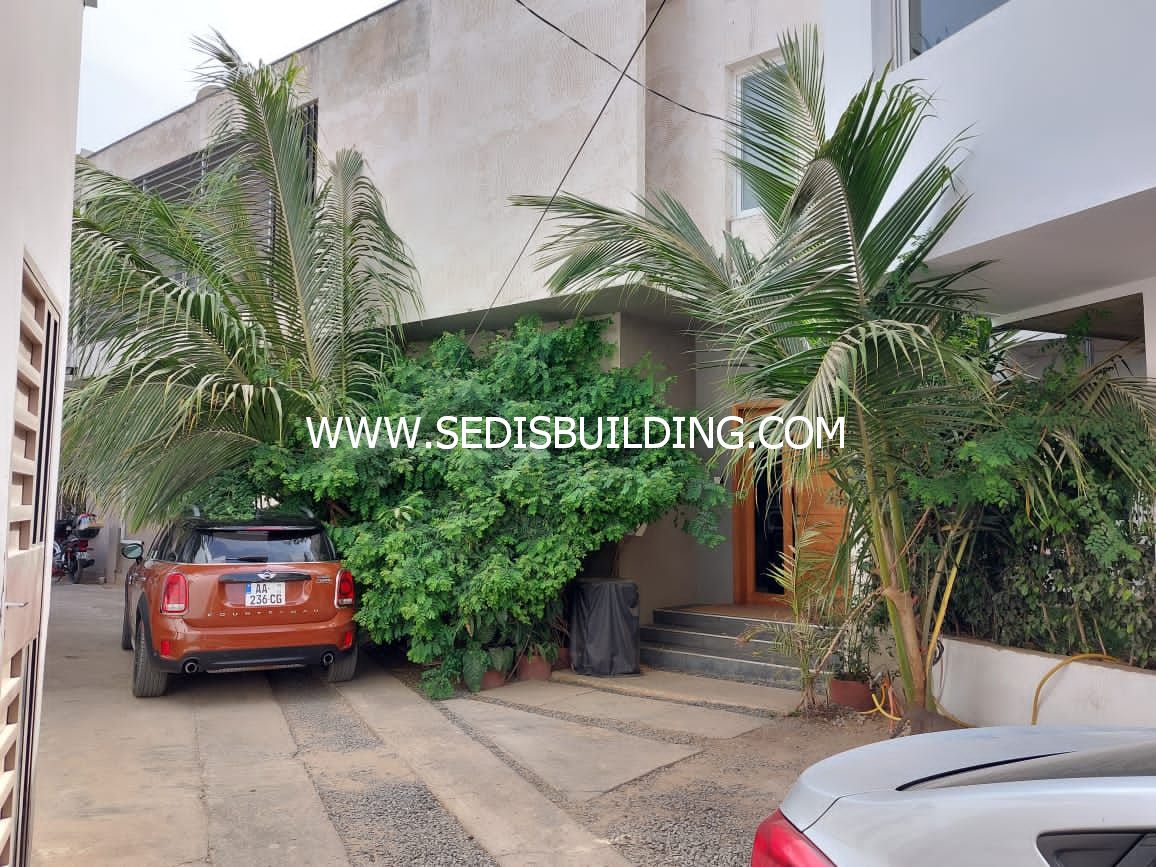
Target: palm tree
[(211, 324), (839, 318)]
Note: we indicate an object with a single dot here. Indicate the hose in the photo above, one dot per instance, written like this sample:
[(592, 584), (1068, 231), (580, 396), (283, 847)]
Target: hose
[(1040, 688)]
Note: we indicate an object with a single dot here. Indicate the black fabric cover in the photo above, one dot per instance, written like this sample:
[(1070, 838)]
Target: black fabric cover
[(604, 627)]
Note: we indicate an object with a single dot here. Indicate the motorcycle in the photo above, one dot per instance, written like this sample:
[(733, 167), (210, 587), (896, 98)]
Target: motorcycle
[(70, 554)]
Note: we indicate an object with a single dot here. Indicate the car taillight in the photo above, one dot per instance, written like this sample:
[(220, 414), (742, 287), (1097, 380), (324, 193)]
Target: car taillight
[(778, 843), (344, 595), (175, 596)]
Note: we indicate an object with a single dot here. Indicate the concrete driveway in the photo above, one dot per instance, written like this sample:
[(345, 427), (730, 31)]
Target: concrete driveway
[(282, 769), (246, 769)]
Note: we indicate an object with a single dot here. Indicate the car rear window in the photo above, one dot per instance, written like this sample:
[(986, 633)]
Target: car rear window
[(261, 545)]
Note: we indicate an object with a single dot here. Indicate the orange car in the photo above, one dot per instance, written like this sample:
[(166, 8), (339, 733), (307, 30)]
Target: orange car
[(228, 596)]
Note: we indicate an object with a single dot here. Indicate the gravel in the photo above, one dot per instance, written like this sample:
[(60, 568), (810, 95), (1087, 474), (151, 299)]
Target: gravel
[(380, 812), (694, 826), (399, 823)]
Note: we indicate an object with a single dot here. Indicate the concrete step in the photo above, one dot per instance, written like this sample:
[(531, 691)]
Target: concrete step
[(717, 664), (762, 648), (711, 624)]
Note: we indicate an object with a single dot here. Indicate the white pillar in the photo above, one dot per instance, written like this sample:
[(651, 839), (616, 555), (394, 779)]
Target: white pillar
[(1150, 332)]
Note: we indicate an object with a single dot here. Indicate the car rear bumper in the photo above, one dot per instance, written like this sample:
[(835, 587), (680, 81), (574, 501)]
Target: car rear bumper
[(174, 644), (253, 658)]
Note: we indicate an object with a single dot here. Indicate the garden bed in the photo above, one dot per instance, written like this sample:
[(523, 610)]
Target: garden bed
[(987, 684)]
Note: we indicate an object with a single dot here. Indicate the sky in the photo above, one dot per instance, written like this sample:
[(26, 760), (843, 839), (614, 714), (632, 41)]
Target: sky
[(138, 63)]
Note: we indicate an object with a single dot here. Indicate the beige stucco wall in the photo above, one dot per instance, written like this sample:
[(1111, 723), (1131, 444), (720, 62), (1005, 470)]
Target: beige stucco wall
[(695, 54), (662, 559), (457, 105)]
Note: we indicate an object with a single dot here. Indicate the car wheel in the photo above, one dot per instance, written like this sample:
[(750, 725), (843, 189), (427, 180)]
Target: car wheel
[(148, 681), (342, 668), (125, 629)]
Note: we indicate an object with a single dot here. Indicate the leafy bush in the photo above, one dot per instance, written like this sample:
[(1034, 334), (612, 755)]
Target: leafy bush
[(1078, 575), (459, 550)]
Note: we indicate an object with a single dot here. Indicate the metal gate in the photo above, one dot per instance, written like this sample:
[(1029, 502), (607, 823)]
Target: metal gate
[(26, 577)]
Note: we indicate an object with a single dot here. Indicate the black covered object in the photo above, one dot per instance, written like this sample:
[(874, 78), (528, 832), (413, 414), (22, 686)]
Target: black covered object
[(604, 627)]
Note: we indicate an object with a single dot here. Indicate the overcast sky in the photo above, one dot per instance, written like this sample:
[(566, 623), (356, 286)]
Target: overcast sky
[(138, 62)]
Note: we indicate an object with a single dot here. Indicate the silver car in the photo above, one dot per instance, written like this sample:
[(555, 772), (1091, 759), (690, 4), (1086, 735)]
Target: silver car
[(986, 797)]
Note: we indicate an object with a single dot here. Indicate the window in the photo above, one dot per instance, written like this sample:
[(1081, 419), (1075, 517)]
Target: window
[(929, 22), (161, 547), (258, 545), (177, 180), (746, 201)]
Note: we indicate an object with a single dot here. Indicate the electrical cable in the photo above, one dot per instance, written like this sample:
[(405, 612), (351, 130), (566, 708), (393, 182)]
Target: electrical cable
[(615, 67), (565, 175)]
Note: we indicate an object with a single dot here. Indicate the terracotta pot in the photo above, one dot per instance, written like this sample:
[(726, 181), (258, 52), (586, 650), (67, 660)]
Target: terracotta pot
[(563, 661), (493, 678), (533, 668), (853, 694)]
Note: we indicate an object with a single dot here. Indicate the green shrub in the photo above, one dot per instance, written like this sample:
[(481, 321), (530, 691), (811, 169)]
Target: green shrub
[(450, 544), (1078, 574)]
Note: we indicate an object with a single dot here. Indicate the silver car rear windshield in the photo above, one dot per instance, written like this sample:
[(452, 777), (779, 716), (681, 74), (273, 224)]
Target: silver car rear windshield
[(261, 545)]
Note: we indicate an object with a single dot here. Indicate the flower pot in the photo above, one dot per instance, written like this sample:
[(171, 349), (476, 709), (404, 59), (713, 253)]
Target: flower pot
[(493, 678), (562, 663), (533, 668), (853, 694)]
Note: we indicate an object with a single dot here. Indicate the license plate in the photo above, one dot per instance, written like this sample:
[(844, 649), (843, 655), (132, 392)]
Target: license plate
[(265, 593)]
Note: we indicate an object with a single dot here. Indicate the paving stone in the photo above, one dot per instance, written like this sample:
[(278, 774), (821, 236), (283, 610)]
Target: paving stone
[(580, 761)]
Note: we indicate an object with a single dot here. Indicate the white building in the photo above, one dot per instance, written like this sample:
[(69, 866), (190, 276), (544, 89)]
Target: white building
[(1057, 98), (40, 67)]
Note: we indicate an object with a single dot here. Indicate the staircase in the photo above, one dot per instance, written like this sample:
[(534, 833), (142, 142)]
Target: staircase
[(696, 642)]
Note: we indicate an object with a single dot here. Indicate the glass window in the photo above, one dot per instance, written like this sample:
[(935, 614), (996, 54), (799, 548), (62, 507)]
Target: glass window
[(160, 544), (260, 545), (746, 196), (931, 21)]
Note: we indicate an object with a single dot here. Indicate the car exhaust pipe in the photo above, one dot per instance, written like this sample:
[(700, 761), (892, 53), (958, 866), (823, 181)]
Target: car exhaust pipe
[(327, 659), (192, 667)]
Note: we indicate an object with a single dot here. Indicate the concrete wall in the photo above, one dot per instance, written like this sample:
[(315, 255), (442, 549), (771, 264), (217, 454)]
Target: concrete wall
[(985, 684), (40, 67), (458, 105), (662, 559), (695, 54)]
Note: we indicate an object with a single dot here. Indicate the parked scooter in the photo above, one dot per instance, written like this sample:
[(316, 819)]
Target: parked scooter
[(70, 554)]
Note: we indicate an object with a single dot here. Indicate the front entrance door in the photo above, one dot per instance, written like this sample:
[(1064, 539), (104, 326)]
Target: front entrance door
[(767, 517)]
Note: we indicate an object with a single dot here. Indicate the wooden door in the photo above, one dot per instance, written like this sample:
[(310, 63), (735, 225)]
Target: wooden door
[(758, 512)]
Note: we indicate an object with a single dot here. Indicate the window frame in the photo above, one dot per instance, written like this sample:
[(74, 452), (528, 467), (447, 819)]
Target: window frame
[(901, 31), (739, 72)]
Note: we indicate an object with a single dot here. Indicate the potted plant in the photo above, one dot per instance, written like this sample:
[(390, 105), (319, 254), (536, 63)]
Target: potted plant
[(811, 597), (561, 633), (501, 664), (538, 651), (850, 682)]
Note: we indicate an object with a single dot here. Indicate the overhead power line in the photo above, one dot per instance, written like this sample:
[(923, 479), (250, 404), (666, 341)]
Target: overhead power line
[(565, 174), (616, 68)]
